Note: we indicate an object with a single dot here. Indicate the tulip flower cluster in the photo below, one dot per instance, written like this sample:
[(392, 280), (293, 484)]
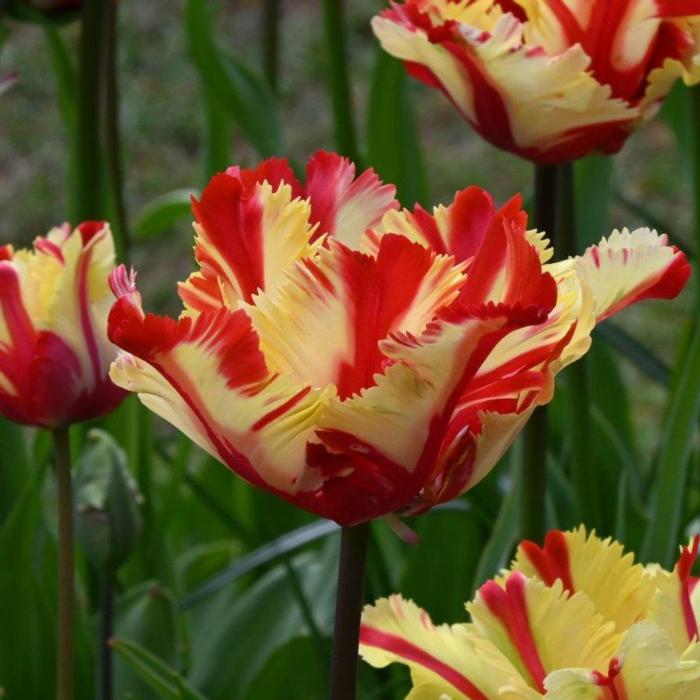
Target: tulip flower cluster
[(550, 80), (575, 619), (357, 359)]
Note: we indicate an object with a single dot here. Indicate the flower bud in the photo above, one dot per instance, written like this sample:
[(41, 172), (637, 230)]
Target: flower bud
[(107, 519)]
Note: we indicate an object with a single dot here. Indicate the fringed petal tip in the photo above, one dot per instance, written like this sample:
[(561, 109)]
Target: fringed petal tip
[(122, 282)]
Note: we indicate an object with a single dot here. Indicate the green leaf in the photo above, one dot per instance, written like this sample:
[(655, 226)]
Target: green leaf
[(263, 555), (145, 615), (248, 629), (233, 83), (669, 492), (15, 466), (162, 214), (26, 637), (287, 663), (154, 672), (440, 569), (392, 137)]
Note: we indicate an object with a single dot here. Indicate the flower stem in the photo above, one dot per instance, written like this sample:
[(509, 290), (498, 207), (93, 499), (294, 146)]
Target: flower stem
[(533, 464), (88, 166), (270, 31), (106, 624), (583, 469), (113, 150), (66, 594), (348, 611), (338, 78)]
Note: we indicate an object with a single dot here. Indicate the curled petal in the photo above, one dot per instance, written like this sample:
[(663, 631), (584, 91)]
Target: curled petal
[(587, 564), (630, 266), (645, 666), (248, 234), (209, 379), (676, 605), (341, 204), (541, 629), (444, 660)]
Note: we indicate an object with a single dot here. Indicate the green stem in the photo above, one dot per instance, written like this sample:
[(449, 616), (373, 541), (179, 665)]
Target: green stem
[(88, 174), (113, 151), (66, 595), (271, 31), (695, 116), (583, 468), (217, 135), (338, 80), (106, 633), (348, 611), (533, 464)]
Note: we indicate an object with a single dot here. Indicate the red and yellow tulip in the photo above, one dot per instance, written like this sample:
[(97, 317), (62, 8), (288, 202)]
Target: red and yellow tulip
[(574, 620), (54, 351), (550, 80), (360, 360)]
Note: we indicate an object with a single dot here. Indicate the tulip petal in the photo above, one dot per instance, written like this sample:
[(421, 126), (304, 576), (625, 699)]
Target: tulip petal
[(587, 564), (630, 266), (676, 605), (522, 99), (341, 204), (541, 629), (351, 301), (248, 234), (393, 432), (445, 661), (209, 379), (645, 666)]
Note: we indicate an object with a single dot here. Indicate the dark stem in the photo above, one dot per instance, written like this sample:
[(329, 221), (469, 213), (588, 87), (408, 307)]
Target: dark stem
[(106, 628), (348, 611), (533, 464), (113, 150), (66, 595), (695, 140), (338, 81), (88, 190), (583, 468), (270, 31)]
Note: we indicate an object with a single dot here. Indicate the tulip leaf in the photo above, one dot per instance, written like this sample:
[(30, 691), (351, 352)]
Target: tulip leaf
[(145, 615), (592, 185), (233, 83), (248, 629), (392, 136), (155, 673), (449, 549), (669, 490), (162, 214)]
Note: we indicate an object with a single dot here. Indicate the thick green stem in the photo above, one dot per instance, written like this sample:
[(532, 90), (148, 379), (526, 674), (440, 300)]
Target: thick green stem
[(106, 629), (348, 611), (113, 150), (270, 33), (66, 594), (338, 80), (533, 464), (88, 172), (583, 468)]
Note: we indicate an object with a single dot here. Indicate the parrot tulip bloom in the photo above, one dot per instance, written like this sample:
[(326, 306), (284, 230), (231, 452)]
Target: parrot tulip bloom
[(549, 80), (574, 619), (358, 360), (54, 352)]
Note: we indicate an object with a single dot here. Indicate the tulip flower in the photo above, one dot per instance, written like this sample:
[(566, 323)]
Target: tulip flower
[(358, 360), (549, 80), (54, 351), (574, 619)]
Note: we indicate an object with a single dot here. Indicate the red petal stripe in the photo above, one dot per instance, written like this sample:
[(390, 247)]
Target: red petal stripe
[(396, 645), (551, 561)]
